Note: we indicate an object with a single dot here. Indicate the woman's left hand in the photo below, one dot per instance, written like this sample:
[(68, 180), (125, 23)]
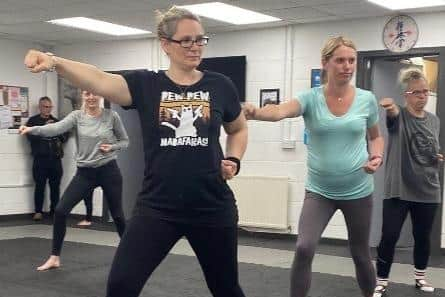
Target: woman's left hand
[(373, 164), (105, 148), (228, 169)]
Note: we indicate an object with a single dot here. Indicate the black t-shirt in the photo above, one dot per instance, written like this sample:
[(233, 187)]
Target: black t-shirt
[(181, 129), (45, 147)]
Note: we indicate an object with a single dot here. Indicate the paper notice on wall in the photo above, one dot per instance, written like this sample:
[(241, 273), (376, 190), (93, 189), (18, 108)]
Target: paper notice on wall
[(14, 101), (24, 102), (5, 117), (14, 97)]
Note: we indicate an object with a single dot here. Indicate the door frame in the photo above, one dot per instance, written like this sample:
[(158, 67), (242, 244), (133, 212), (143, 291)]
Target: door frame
[(364, 80)]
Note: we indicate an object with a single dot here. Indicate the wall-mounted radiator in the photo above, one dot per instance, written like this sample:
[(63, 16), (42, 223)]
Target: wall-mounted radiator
[(262, 201)]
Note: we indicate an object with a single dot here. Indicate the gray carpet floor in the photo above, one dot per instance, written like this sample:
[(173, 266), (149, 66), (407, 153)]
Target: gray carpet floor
[(85, 268), (246, 238)]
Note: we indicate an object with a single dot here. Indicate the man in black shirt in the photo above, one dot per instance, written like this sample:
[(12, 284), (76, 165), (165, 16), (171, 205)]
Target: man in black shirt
[(47, 153)]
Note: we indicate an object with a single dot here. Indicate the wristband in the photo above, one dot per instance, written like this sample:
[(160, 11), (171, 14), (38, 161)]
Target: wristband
[(53, 59), (236, 161)]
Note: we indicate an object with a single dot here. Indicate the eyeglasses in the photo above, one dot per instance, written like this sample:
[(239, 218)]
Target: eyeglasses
[(188, 43), (47, 106), (418, 93)]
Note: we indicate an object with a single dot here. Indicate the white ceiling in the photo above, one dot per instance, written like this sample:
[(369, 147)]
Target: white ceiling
[(25, 19)]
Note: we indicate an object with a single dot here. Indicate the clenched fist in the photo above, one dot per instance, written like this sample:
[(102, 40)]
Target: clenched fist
[(37, 61), (387, 103), (24, 130), (249, 111)]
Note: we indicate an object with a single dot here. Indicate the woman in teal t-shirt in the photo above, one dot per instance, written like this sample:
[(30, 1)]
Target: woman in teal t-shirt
[(338, 118)]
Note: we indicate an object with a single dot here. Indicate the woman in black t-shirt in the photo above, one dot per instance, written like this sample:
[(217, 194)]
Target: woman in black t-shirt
[(184, 190)]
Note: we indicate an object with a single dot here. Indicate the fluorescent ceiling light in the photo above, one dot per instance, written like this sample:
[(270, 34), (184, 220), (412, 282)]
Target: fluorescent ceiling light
[(407, 4), (98, 26), (229, 13)]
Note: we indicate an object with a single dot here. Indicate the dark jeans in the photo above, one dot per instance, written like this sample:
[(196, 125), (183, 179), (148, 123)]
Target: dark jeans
[(395, 212), (44, 169), (109, 178), (147, 242)]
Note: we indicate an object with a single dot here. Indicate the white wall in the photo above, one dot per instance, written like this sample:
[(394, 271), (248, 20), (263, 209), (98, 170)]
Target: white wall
[(276, 58), (15, 166), (367, 35), (264, 155), (107, 56), (16, 182)]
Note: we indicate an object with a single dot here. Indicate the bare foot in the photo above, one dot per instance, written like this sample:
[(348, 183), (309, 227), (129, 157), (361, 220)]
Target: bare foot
[(37, 216), (51, 263), (84, 223)]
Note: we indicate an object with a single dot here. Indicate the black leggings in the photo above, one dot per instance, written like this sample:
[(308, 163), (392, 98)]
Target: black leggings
[(147, 242), (88, 200), (108, 177), (315, 215), (394, 215)]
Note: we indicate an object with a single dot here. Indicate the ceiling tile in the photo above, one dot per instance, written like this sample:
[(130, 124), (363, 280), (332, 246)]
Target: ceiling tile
[(25, 19), (298, 13), (350, 8)]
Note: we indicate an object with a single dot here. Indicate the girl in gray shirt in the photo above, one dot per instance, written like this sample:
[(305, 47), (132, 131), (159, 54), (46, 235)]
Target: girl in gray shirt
[(100, 135)]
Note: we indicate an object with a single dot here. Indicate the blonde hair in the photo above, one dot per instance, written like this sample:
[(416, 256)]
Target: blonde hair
[(329, 48), (167, 22), (333, 43), (408, 75)]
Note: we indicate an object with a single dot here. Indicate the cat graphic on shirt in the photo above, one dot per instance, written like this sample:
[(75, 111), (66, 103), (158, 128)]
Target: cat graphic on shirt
[(186, 118)]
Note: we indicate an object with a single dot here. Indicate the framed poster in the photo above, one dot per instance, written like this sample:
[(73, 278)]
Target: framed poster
[(269, 96)]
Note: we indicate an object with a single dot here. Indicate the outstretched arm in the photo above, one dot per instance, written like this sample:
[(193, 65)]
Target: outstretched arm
[(271, 112), (53, 129), (84, 76), (391, 108)]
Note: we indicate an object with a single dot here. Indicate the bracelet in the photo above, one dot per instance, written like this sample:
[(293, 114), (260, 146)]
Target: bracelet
[(53, 58), (236, 161)]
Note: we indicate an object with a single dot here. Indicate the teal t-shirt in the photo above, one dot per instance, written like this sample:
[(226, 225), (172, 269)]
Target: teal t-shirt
[(337, 146)]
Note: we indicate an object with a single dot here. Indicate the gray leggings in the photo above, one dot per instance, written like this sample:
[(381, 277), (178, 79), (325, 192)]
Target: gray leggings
[(315, 215)]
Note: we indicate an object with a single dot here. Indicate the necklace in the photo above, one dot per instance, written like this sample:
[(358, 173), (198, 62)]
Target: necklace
[(182, 90), (339, 99)]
